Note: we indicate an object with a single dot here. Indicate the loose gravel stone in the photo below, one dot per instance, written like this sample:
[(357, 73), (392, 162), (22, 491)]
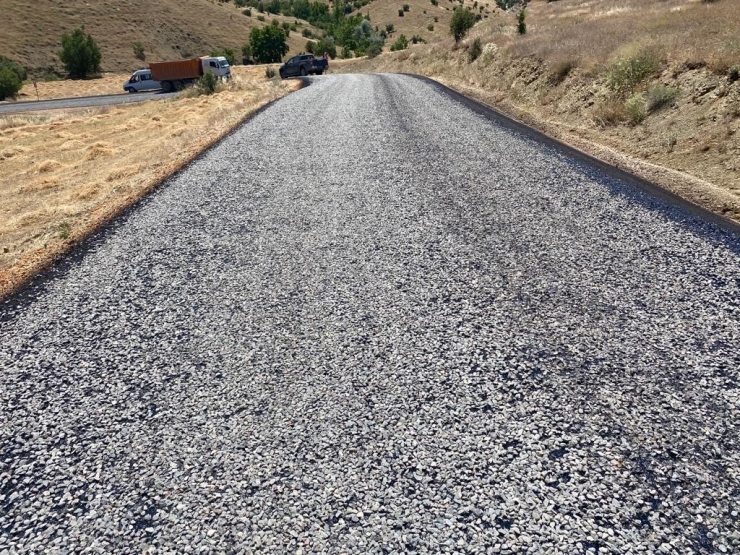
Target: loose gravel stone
[(372, 321)]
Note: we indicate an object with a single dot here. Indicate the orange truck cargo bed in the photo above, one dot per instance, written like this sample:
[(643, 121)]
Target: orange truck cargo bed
[(173, 71)]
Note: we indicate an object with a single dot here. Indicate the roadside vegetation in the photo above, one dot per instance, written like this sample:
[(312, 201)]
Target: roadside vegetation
[(65, 173)]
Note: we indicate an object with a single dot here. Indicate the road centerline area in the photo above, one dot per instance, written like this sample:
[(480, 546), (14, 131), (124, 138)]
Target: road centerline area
[(370, 321)]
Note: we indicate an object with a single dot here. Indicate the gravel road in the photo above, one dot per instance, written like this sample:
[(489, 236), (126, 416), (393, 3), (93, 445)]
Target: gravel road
[(372, 321), (80, 102)]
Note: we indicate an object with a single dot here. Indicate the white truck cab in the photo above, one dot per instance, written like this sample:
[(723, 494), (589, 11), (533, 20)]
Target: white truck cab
[(141, 80), (219, 66)]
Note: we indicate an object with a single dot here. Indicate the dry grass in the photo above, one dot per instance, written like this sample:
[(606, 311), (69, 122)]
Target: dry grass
[(66, 173), (168, 29)]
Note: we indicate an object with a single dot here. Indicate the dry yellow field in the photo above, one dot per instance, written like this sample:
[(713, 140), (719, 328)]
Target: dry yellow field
[(66, 173)]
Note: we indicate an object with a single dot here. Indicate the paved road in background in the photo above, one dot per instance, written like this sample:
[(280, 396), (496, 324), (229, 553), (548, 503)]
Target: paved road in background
[(82, 102), (373, 321)]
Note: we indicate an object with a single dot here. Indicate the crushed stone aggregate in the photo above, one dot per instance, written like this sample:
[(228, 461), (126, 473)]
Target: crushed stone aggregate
[(372, 321)]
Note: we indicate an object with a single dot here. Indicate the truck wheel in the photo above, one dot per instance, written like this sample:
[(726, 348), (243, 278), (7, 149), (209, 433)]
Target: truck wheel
[(167, 86), (303, 71), (319, 73), (131, 90), (179, 85)]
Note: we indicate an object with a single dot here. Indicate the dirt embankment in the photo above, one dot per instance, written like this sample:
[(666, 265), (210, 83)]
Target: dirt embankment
[(690, 145)]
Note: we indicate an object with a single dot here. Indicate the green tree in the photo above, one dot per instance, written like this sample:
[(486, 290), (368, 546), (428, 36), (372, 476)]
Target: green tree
[(521, 25), (246, 53), (401, 44), (462, 21), (325, 45), (268, 44), (227, 53), (15, 67), (80, 54), (9, 83)]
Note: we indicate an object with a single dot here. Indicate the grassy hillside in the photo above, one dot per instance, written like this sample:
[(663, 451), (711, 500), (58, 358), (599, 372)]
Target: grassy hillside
[(168, 29)]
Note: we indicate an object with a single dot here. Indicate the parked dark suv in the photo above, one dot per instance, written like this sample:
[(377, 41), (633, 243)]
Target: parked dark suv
[(305, 64)]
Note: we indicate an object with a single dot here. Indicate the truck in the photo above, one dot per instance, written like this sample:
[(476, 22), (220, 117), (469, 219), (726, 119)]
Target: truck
[(174, 76), (305, 64)]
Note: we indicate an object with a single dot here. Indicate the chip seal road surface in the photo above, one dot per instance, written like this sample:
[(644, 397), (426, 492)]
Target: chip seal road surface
[(436, 335)]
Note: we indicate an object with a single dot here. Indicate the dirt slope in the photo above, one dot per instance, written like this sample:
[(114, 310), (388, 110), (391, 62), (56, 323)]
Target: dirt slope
[(168, 29)]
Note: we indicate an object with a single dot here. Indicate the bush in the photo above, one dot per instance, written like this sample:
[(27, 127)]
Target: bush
[(610, 112), (406, 7), (247, 12), (240, 3), (629, 72), (268, 44), (327, 45), (207, 84), (15, 67), (417, 39), (374, 50), (275, 23), (246, 53), (660, 96), (400, 13), (139, 50), (307, 33), (227, 53), (260, 18), (636, 109), (475, 50), (346, 53), (401, 44), (390, 28), (9, 83), (435, 2), (521, 25), (560, 71), (436, 20), (286, 28), (430, 27), (80, 54), (270, 72), (462, 21)]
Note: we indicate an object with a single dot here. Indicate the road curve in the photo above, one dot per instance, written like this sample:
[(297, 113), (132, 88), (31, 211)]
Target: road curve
[(373, 321), (79, 102)]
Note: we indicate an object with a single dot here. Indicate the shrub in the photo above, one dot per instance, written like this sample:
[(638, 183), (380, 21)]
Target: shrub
[(436, 20), (346, 53), (733, 74), (247, 12), (629, 72), (227, 53), (475, 50), (261, 8), (286, 28), (9, 83), (560, 71), (275, 23), (406, 7), (430, 27), (246, 53), (462, 21), (400, 13), (636, 109), (434, 2), (139, 50), (309, 47), (521, 24), (15, 67), (270, 72), (401, 44), (374, 49), (327, 45), (610, 112), (660, 96), (389, 28), (268, 44), (307, 33), (80, 54), (207, 84), (260, 18), (416, 39)]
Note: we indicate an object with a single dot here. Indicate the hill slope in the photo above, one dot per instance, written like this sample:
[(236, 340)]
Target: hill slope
[(169, 29)]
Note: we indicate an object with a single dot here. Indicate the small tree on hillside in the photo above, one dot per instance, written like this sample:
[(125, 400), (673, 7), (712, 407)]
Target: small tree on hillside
[(80, 54), (521, 25), (462, 21), (9, 83), (268, 44), (15, 67), (139, 50)]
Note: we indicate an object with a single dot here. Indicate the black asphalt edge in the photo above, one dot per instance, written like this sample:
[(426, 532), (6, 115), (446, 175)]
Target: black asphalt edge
[(30, 106), (65, 262), (648, 187)]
